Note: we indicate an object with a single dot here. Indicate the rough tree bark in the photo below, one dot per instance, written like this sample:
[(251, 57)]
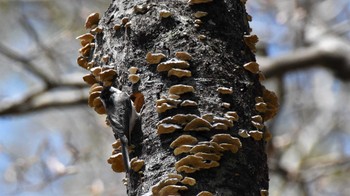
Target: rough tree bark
[(220, 45)]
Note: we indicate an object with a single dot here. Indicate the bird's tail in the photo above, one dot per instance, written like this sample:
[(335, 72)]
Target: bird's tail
[(125, 152)]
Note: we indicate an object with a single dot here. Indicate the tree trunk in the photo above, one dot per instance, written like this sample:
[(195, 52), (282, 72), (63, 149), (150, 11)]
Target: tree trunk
[(220, 45)]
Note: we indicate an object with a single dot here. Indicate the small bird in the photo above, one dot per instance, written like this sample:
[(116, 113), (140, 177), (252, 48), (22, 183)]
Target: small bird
[(122, 116)]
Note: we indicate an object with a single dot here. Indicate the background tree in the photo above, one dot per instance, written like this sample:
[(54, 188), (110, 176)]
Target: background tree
[(308, 156)]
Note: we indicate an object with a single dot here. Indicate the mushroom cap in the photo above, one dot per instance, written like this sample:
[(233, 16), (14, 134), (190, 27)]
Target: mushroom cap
[(85, 50), (250, 41), (183, 140), (253, 67), (179, 73), (172, 63), (167, 128), (259, 99), (187, 169), (202, 148), (96, 71), (164, 107), (220, 126), (96, 30), (188, 103), (198, 21), (205, 193), (97, 102), (185, 56), (272, 104), (225, 90), (192, 2), (261, 107), (171, 190), (226, 138), (208, 117), (231, 147), (117, 163), (108, 74), (100, 110), (182, 149), (189, 181), (133, 70), (198, 124), (209, 156), (154, 58), (189, 160), (92, 20), (243, 133), (124, 20), (173, 175), (257, 118), (92, 97), (217, 147), (256, 135), (227, 122), (257, 125), (117, 27), (136, 164), (164, 14), (134, 78), (180, 89), (82, 62), (89, 79), (200, 14), (85, 38), (232, 115), (164, 182)]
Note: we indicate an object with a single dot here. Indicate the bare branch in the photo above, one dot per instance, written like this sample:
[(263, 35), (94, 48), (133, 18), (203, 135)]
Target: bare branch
[(43, 100), (333, 55)]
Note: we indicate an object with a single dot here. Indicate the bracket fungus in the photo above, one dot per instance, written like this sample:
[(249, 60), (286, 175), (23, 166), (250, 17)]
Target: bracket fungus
[(253, 67), (200, 14), (256, 135), (163, 183), (220, 126), (136, 164), (226, 105), (250, 41), (116, 161), (185, 56), (164, 14), (89, 79), (264, 192), (202, 148), (261, 107), (117, 27), (164, 107), (188, 181), (167, 128), (100, 110), (124, 20), (226, 121), (182, 149), (92, 20), (173, 175), (227, 142), (205, 193), (82, 62), (188, 103), (224, 90), (96, 30), (172, 63), (208, 117), (272, 104), (180, 89), (202, 37), (141, 9), (85, 50), (107, 74), (179, 73), (85, 38), (92, 97), (194, 163), (209, 156), (133, 70), (198, 124), (154, 58), (96, 71), (192, 2), (243, 133), (257, 118), (172, 190), (134, 78), (231, 115), (183, 140)]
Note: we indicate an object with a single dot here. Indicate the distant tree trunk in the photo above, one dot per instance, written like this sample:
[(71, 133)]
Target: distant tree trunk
[(220, 45)]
